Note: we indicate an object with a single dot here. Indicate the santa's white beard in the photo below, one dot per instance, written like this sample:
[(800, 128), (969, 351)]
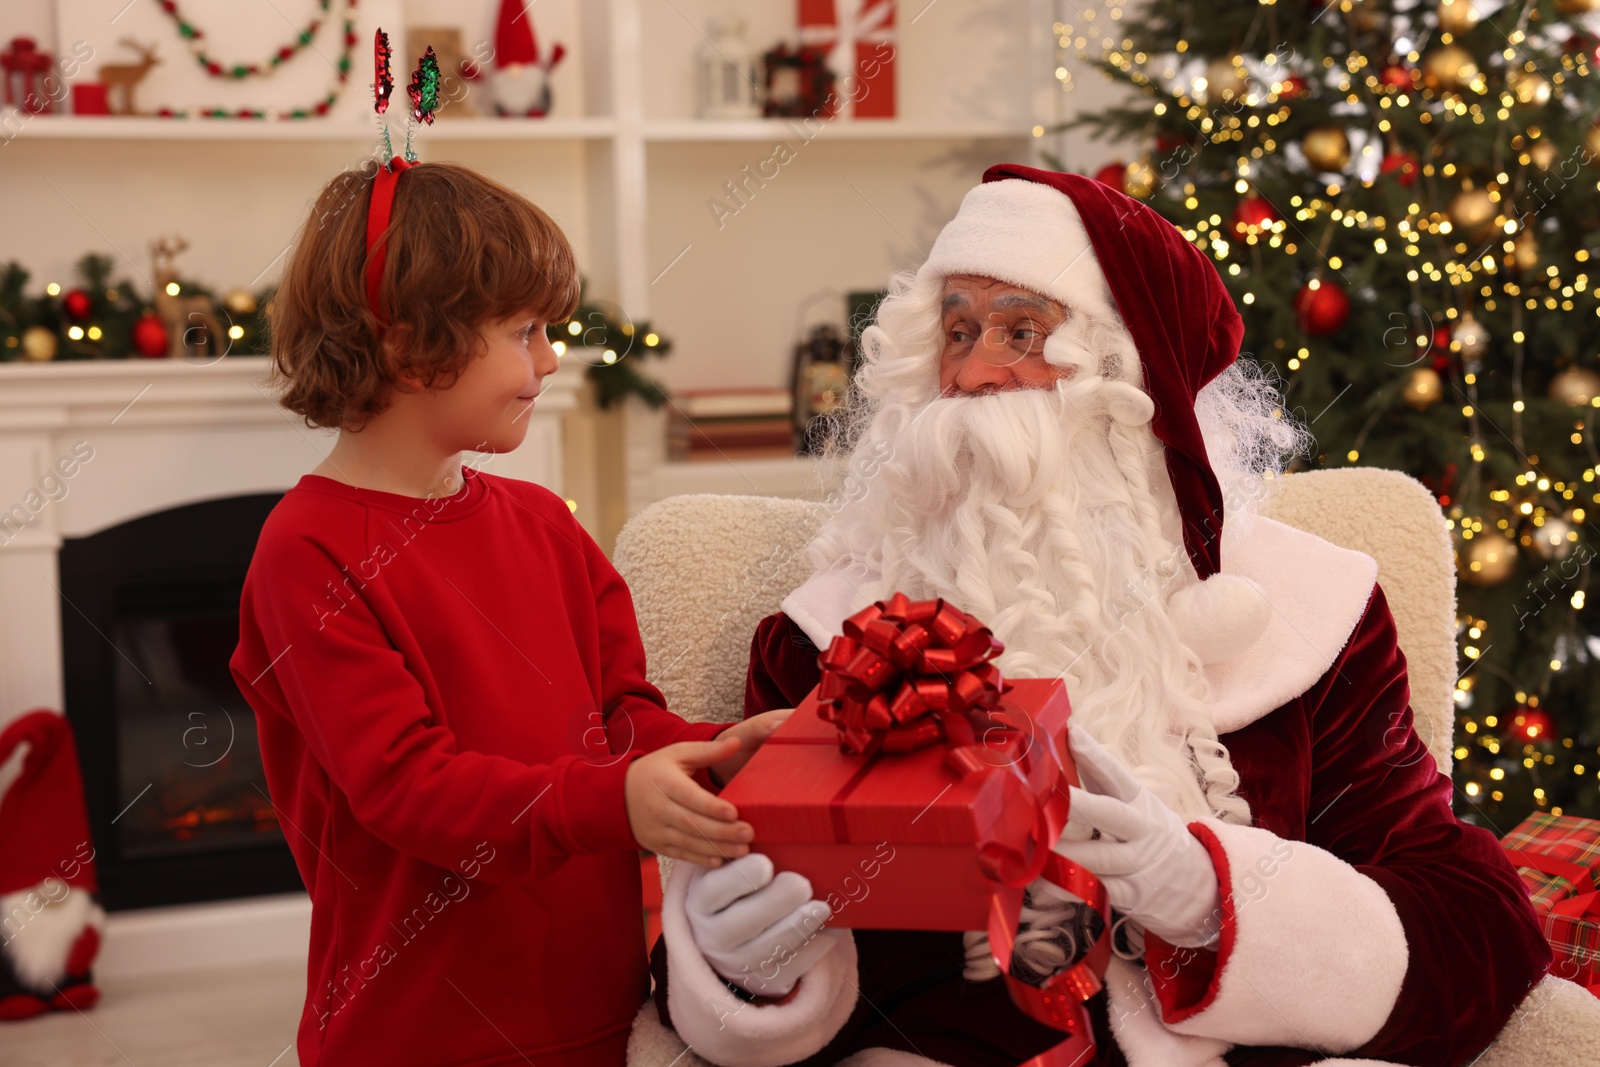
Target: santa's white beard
[(1032, 509)]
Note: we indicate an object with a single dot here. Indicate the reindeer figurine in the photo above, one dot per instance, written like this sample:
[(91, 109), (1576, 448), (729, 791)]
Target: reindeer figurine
[(191, 321), (120, 79)]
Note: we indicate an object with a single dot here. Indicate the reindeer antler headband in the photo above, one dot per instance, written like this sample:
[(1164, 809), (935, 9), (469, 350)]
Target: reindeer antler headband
[(424, 93)]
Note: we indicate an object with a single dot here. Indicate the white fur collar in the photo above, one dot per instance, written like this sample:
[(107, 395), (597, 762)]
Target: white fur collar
[(1318, 592)]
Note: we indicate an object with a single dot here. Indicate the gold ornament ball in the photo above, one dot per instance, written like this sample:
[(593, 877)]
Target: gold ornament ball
[(1469, 337), (1457, 16), (1529, 87), (1448, 67), (1575, 387), (1487, 559), (1550, 540), (1363, 15), (239, 302), (1525, 251), (1224, 80), (1591, 141), (1327, 148), (1543, 154), (1577, 7), (1423, 389), (1139, 180), (38, 344), (1472, 209)]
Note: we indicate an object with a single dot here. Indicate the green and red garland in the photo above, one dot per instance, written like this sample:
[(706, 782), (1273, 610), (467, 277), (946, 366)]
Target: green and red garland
[(195, 36), (190, 32)]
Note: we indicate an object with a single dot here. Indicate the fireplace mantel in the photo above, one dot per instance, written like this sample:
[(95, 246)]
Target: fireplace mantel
[(151, 435)]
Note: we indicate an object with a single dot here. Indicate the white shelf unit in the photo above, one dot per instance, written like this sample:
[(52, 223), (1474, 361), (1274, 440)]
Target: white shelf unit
[(621, 165), (138, 128)]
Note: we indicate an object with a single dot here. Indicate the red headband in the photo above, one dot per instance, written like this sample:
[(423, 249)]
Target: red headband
[(383, 187)]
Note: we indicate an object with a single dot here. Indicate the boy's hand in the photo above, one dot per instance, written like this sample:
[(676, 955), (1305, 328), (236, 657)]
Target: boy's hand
[(752, 733), (672, 816)]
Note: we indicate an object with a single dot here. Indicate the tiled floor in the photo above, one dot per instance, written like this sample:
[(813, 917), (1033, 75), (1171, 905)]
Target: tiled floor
[(239, 1017)]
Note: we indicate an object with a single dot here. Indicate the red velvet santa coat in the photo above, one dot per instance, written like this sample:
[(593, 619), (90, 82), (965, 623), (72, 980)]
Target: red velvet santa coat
[(1361, 918)]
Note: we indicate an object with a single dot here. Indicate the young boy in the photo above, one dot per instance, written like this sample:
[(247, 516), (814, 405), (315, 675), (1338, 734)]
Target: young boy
[(447, 673)]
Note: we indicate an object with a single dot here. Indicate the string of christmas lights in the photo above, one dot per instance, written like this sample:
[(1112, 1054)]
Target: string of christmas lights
[(1397, 195)]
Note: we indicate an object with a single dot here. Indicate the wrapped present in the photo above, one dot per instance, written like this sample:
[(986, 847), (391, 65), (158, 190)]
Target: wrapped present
[(859, 38), (1558, 856), (917, 790)]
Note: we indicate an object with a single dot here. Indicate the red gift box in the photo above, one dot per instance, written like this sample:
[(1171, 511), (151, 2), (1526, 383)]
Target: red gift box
[(860, 38), (915, 789), (874, 834), (1557, 856)]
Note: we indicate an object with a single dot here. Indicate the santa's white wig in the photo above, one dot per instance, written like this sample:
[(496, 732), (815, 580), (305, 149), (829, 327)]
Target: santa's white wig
[(1048, 514)]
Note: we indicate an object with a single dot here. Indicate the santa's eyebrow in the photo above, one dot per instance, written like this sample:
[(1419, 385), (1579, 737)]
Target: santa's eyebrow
[(1027, 300), (1009, 300)]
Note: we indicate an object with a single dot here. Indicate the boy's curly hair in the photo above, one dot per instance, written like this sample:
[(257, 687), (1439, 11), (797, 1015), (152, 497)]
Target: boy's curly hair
[(463, 251)]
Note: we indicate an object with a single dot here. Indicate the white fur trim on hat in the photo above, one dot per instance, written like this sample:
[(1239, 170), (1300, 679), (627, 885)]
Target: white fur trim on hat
[(1219, 617), (1027, 234)]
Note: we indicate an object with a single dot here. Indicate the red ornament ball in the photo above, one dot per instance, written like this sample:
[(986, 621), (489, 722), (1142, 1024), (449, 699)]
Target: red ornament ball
[(1111, 174), (150, 336), (1397, 77), (1584, 44), (1440, 349), (1292, 88), (1441, 339), (1169, 142), (1403, 165), (1531, 724), (76, 304), (1322, 308), (1252, 212)]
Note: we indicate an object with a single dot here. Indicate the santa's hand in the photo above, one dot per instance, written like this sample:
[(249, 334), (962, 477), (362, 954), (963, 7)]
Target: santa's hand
[(759, 931), (1155, 871)]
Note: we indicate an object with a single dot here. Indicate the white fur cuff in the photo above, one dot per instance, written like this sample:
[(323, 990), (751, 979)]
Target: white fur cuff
[(734, 1033), (1312, 952)]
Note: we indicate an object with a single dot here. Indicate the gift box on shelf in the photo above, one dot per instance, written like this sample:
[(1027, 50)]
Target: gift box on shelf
[(1557, 856), (859, 37), (906, 839)]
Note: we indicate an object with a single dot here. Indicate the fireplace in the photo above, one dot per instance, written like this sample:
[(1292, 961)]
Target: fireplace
[(177, 800)]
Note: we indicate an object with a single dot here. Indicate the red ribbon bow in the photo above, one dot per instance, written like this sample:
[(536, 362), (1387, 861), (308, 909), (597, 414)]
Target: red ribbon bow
[(905, 675), (908, 674)]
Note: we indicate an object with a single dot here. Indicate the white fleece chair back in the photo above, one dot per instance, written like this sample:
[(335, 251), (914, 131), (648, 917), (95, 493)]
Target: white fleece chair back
[(705, 569)]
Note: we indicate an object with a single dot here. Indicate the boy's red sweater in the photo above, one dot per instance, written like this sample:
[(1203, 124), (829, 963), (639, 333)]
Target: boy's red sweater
[(449, 693)]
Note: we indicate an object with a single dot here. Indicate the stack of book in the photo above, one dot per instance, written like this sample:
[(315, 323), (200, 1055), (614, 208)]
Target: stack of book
[(730, 424)]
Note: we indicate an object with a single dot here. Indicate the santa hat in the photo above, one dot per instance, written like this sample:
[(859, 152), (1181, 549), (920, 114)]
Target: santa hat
[(47, 872), (43, 819), (513, 36), (1092, 248)]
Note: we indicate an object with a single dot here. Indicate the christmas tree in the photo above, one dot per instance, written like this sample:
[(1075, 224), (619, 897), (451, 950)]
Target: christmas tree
[(1402, 199)]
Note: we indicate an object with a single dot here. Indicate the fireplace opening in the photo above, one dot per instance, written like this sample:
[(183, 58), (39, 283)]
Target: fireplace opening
[(178, 803)]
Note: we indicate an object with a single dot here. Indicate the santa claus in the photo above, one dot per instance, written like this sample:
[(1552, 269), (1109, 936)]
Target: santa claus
[(1058, 394)]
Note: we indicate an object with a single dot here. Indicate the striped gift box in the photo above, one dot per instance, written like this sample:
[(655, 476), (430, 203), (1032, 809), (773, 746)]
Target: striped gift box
[(1558, 857)]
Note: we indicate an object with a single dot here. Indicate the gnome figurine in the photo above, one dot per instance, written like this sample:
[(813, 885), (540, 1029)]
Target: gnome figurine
[(520, 81), (52, 924)]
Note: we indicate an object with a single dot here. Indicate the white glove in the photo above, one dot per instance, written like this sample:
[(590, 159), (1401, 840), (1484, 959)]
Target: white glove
[(760, 932), (1155, 871)]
